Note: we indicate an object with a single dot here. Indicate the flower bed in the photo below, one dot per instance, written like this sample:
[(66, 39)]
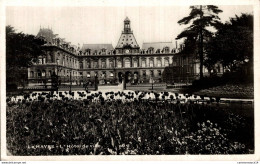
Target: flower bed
[(229, 91), (84, 127)]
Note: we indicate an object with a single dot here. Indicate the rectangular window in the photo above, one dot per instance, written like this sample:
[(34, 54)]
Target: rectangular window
[(143, 63), (111, 64), (159, 63), (135, 63), (88, 64), (151, 63), (127, 63), (119, 64), (95, 64), (81, 65), (103, 64)]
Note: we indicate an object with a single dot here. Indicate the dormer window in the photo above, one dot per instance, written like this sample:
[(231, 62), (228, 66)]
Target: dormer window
[(166, 50), (150, 50)]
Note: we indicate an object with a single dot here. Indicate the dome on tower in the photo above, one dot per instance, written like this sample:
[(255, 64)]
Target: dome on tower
[(127, 19)]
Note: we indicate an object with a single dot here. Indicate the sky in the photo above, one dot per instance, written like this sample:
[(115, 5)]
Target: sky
[(104, 24)]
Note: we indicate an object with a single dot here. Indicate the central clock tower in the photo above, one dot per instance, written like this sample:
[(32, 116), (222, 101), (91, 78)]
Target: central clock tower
[(127, 43)]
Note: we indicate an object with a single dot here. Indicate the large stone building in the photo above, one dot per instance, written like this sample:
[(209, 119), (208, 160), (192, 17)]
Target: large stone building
[(75, 65)]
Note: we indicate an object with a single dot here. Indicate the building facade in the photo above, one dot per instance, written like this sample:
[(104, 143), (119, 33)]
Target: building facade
[(76, 65)]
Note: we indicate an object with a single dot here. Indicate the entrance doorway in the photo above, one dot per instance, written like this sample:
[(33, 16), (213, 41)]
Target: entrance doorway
[(128, 78), (136, 77)]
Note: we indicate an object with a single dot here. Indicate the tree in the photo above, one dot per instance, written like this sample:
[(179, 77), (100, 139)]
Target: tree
[(21, 51), (233, 43), (201, 18)]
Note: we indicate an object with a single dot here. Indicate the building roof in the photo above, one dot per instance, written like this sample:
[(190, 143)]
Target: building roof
[(47, 34), (126, 19), (158, 45), (97, 47), (127, 40)]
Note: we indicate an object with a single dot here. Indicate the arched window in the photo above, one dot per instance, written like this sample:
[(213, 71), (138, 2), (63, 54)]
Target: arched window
[(135, 63), (43, 73), (39, 73), (63, 61), (95, 64), (31, 74), (103, 64), (88, 63), (43, 60), (143, 63), (80, 65), (151, 62), (159, 63), (40, 60), (49, 74), (119, 64), (111, 64), (127, 63)]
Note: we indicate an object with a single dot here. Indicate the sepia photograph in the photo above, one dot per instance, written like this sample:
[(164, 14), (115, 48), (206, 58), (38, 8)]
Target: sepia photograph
[(129, 80)]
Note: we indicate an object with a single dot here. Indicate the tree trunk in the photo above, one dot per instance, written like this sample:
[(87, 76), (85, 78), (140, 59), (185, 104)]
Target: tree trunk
[(201, 46)]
